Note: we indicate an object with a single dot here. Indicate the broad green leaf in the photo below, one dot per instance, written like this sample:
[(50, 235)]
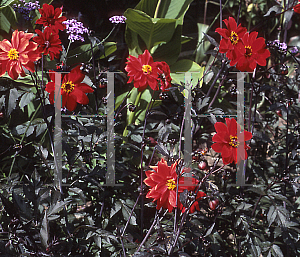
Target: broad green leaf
[(152, 30), (147, 7), (170, 9), (83, 53), (109, 48), (7, 18), (173, 9), (169, 51), (202, 45), (5, 3), (179, 68), (27, 80)]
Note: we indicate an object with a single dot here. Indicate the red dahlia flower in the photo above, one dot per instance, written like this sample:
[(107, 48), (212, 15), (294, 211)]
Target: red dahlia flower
[(195, 205), (49, 42), (163, 186), (72, 90), (297, 8), (228, 141), (51, 18), (251, 51), (17, 53), (164, 76), (142, 70), (231, 36)]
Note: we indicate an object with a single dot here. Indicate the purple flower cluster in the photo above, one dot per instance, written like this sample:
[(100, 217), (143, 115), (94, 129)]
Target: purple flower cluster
[(75, 29), (25, 8), (117, 19), (282, 47), (294, 50)]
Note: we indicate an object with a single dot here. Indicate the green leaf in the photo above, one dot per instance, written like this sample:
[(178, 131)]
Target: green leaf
[(202, 45), (44, 231), (57, 207), (12, 100), (5, 3), (117, 206), (7, 18), (272, 214), (109, 48), (126, 213), (170, 9), (208, 232), (26, 98), (152, 30), (27, 80), (168, 52), (173, 9), (277, 251), (83, 53), (179, 68)]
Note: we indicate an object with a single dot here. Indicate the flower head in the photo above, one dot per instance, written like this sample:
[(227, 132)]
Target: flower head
[(51, 18), (251, 51), (117, 19), (75, 29), (231, 37), (230, 141), (163, 182), (142, 71), (26, 8), (72, 90), (49, 42), (18, 53), (164, 76), (297, 8)]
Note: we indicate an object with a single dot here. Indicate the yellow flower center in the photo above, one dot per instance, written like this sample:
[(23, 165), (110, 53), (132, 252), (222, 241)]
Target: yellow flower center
[(147, 69), (68, 87), (248, 52), (13, 54), (233, 141), (171, 184), (234, 38)]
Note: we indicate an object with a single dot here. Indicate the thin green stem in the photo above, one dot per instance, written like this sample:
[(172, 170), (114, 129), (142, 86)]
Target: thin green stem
[(157, 9), (132, 114)]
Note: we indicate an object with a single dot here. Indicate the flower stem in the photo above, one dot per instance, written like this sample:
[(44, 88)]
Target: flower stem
[(157, 8), (132, 114)]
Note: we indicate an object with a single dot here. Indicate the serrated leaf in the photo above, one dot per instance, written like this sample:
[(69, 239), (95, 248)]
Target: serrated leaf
[(12, 100), (243, 206), (57, 207), (26, 98), (276, 8), (183, 197), (272, 214), (277, 251), (126, 213), (211, 40), (208, 232), (117, 206), (44, 231)]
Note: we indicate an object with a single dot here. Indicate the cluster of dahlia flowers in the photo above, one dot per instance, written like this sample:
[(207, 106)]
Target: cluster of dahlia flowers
[(242, 48)]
